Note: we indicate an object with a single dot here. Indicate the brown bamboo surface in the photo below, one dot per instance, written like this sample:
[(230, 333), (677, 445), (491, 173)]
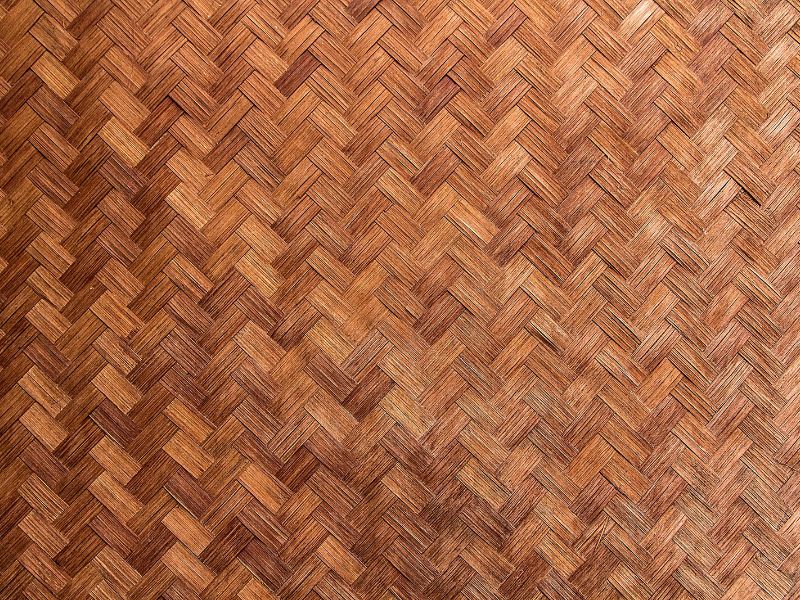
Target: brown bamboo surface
[(434, 299)]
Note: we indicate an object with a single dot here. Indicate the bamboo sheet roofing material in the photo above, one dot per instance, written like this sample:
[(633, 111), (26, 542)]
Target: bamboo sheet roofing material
[(447, 299)]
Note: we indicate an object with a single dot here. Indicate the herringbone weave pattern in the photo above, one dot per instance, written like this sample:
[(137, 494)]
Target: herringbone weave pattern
[(399, 299)]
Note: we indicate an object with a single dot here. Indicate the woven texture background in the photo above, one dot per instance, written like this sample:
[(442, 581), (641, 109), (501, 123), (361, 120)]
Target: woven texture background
[(437, 299)]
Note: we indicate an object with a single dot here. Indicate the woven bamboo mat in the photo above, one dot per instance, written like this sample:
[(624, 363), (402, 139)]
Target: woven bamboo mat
[(436, 299)]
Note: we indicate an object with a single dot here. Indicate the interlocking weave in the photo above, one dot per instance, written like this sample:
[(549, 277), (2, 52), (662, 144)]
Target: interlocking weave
[(416, 299)]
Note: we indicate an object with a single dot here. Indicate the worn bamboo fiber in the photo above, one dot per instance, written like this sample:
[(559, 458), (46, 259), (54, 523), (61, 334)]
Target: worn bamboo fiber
[(413, 299)]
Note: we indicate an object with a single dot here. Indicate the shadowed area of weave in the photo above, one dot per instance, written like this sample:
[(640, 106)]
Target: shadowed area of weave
[(414, 299)]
